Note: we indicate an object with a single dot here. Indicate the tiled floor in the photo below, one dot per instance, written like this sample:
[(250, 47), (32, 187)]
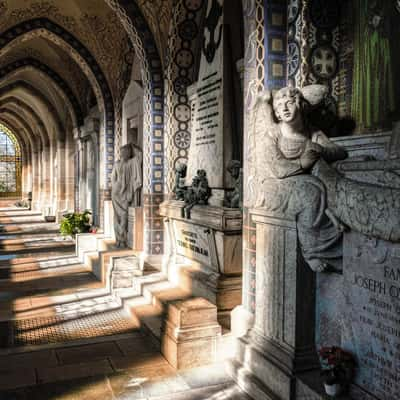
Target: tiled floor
[(89, 347)]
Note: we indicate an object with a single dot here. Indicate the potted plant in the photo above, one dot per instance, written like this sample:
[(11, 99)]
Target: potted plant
[(76, 222), (337, 369)]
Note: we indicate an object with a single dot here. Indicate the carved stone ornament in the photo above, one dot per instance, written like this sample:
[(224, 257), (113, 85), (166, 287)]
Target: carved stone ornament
[(234, 198), (197, 194), (180, 175), (292, 174)]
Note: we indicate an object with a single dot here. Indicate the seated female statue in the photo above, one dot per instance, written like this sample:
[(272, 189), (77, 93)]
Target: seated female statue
[(293, 175)]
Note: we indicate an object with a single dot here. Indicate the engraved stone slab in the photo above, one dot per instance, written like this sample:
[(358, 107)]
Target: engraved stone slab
[(193, 241), (372, 313), (207, 124)]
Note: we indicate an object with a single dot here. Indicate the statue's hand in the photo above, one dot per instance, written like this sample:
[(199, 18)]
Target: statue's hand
[(315, 147), (309, 158)]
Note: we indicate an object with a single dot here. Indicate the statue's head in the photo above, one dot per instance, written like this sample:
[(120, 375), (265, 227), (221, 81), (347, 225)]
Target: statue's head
[(287, 104), (234, 168), (181, 168), (195, 181), (126, 152)]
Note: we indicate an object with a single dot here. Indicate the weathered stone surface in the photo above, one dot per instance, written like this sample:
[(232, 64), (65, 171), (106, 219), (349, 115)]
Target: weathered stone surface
[(372, 313), (135, 228), (127, 181), (190, 333), (123, 272)]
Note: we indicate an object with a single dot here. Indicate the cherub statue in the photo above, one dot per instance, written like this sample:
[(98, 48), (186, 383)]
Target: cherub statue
[(234, 199), (180, 175), (198, 193), (294, 175)]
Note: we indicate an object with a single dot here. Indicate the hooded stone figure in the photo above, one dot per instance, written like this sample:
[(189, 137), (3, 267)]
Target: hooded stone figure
[(126, 188)]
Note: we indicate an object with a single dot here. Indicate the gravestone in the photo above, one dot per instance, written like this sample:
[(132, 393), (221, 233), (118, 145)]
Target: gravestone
[(371, 329), (212, 142), (209, 244)]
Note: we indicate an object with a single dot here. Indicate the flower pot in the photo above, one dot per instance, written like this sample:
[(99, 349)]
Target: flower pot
[(333, 390), (50, 218)]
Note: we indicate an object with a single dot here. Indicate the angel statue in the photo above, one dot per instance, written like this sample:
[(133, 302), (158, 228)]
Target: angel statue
[(294, 173)]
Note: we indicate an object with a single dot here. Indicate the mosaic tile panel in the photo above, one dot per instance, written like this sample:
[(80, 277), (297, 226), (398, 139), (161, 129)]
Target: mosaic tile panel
[(179, 75)]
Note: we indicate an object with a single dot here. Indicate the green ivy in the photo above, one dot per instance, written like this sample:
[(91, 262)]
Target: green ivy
[(73, 223)]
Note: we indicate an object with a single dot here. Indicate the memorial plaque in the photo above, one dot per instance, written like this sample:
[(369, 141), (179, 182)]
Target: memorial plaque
[(207, 146), (372, 313), (193, 242)]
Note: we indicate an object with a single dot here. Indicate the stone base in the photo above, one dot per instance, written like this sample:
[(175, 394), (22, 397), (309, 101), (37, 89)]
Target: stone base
[(190, 333), (205, 253), (223, 291), (135, 228), (241, 321), (264, 373)]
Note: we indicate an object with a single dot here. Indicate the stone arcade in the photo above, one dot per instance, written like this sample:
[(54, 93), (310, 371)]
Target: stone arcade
[(200, 199)]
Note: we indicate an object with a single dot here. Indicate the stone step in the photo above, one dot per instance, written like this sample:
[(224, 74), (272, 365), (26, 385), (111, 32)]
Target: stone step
[(48, 247), (67, 281)]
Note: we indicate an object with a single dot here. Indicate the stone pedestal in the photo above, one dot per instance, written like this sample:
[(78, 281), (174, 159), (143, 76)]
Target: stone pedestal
[(135, 228), (205, 253), (190, 333), (281, 343)]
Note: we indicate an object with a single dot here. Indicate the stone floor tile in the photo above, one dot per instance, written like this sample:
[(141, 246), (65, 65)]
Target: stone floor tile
[(134, 362), (17, 379), (73, 371), (43, 358), (88, 352), (209, 375), (136, 345), (95, 388)]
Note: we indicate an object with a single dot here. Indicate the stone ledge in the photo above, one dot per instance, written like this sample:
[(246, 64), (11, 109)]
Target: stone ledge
[(228, 220)]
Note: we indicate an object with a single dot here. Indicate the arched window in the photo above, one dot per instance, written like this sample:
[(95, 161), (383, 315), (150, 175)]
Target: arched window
[(10, 164)]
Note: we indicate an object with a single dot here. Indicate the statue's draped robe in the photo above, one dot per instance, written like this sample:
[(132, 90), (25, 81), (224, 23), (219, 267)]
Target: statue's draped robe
[(373, 98), (126, 182), (286, 188)]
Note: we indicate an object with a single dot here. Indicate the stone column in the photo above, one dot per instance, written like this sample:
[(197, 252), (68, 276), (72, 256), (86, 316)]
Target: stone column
[(45, 178), (35, 180), (281, 343), (70, 167), (60, 178)]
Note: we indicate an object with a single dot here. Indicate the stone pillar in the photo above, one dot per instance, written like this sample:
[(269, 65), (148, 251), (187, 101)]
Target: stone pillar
[(35, 180), (45, 179), (70, 167), (281, 343), (60, 179), (135, 228)]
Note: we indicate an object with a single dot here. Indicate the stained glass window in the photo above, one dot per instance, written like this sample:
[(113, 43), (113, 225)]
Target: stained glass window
[(10, 164)]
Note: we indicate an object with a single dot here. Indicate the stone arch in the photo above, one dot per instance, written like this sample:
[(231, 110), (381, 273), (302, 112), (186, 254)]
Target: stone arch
[(27, 109), (32, 91), (43, 27), (145, 47), (54, 76)]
